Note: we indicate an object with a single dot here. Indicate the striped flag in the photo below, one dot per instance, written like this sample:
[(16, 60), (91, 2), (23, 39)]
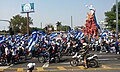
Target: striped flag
[(79, 35), (53, 35), (98, 26), (2, 39), (104, 33), (17, 38), (33, 40), (9, 38), (41, 33)]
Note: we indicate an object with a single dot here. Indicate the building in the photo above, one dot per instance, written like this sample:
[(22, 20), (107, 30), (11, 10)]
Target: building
[(103, 25)]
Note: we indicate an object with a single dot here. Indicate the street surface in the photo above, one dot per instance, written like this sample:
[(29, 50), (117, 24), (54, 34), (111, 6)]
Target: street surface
[(107, 63)]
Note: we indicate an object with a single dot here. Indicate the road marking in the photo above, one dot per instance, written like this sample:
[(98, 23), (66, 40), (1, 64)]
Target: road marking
[(107, 55), (3, 67), (1, 70), (40, 69), (65, 63), (61, 68), (81, 67), (108, 59), (105, 66), (20, 70), (46, 64)]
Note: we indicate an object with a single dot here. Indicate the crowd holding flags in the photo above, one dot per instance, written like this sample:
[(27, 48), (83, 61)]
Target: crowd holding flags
[(37, 35), (44, 40), (91, 30)]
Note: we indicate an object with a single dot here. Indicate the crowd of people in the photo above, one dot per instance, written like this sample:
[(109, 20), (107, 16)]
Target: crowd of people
[(66, 43)]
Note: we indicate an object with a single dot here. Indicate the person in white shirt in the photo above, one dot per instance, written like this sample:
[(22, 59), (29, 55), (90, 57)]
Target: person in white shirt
[(30, 67), (6, 51), (8, 55), (13, 55)]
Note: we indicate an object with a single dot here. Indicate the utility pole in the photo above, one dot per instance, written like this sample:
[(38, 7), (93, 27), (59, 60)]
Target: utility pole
[(28, 23), (4, 30), (27, 8), (41, 25), (116, 19), (71, 23)]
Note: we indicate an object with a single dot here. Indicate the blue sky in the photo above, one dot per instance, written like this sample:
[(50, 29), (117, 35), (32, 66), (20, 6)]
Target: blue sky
[(51, 11)]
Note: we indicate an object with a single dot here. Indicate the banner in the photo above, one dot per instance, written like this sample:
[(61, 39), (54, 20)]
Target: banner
[(29, 7)]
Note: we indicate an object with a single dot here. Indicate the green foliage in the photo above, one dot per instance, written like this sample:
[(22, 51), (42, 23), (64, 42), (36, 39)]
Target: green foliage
[(49, 28), (59, 25), (36, 29), (111, 17), (66, 28), (78, 28), (19, 24)]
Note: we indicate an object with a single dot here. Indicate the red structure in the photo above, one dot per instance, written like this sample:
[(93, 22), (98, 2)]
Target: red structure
[(91, 29)]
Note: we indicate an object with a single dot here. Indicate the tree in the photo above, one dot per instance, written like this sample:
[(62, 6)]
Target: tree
[(111, 17), (59, 25), (11, 31), (76, 28), (36, 29), (49, 28), (79, 28), (65, 28), (19, 24)]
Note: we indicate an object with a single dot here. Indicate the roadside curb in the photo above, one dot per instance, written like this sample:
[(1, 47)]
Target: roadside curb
[(56, 68)]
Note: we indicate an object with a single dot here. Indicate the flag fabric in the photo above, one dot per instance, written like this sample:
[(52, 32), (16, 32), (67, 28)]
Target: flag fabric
[(9, 38), (22, 37), (41, 33), (2, 39), (26, 35), (79, 35), (104, 34), (33, 40), (53, 35), (17, 38), (98, 26)]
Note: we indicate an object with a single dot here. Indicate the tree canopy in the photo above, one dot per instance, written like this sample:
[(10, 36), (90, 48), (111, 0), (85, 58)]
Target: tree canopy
[(59, 25), (111, 17), (19, 24)]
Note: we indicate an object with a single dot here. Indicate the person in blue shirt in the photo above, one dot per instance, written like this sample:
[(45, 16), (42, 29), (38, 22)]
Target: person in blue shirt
[(117, 47)]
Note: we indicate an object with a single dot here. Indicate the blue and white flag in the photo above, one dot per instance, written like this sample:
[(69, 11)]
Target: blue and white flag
[(17, 38), (98, 26), (105, 33), (79, 35), (9, 38), (22, 37), (53, 35), (2, 39), (33, 40), (41, 33), (26, 35)]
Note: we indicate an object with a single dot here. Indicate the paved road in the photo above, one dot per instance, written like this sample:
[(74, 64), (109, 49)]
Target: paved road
[(107, 62)]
